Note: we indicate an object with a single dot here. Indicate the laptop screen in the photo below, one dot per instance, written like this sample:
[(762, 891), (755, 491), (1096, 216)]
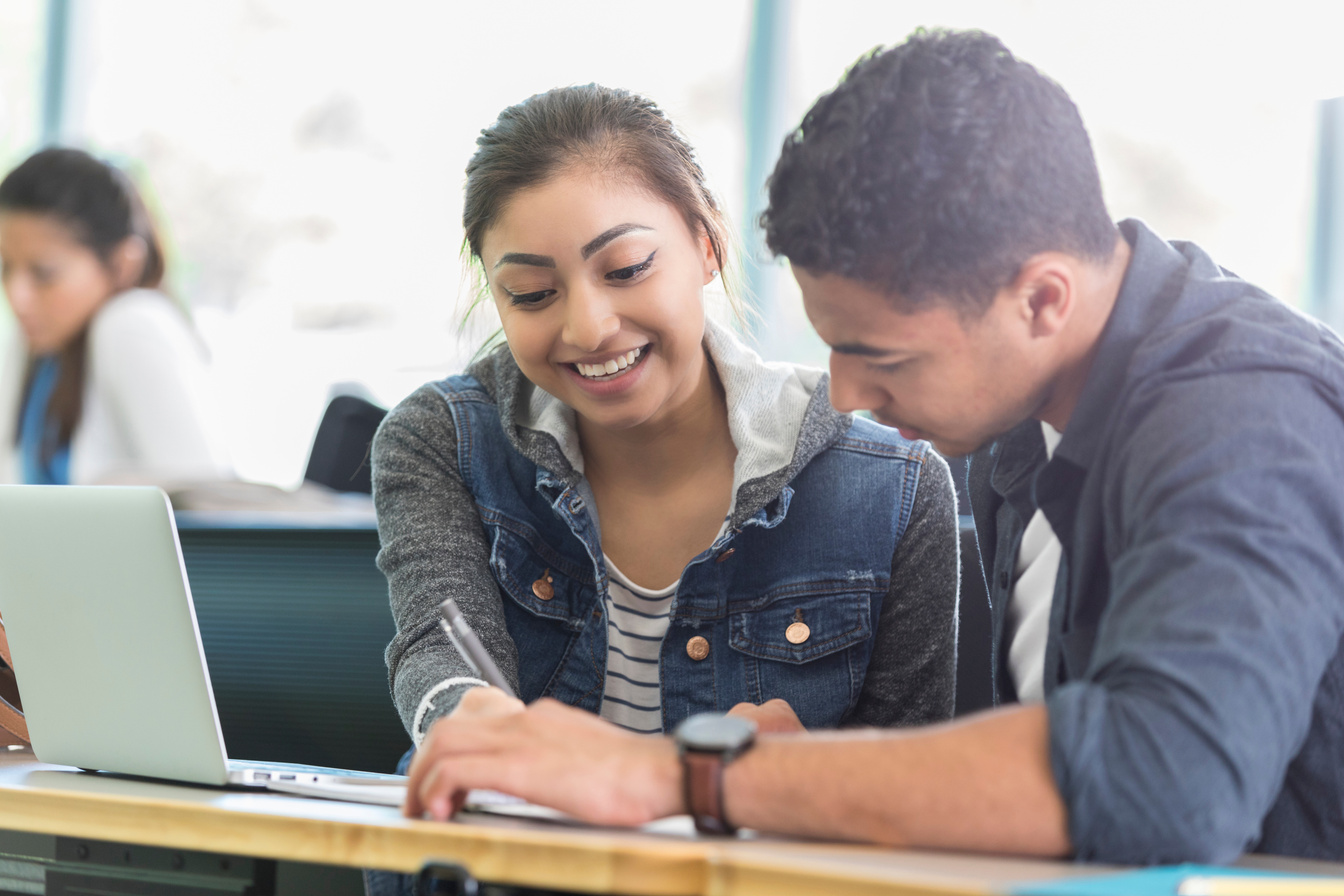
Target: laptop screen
[(107, 653)]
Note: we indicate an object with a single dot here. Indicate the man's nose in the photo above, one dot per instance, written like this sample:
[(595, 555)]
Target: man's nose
[(849, 389)]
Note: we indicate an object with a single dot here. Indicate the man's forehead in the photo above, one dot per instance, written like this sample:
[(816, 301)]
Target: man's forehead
[(856, 319), (837, 293)]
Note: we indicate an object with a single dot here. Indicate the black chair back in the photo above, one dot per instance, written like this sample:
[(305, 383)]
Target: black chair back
[(340, 455)]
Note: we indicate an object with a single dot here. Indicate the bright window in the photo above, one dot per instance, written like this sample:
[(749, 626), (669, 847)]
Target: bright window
[(307, 164), (306, 160), (21, 24)]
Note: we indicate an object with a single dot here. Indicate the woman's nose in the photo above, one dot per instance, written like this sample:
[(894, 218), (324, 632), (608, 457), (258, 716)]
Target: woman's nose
[(19, 290), (590, 319)]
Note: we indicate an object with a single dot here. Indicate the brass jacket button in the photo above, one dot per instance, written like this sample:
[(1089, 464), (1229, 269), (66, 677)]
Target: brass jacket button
[(697, 648), (725, 555), (798, 630), (544, 587)]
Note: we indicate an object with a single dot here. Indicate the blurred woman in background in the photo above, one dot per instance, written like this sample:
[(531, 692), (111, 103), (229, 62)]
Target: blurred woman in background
[(109, 381)]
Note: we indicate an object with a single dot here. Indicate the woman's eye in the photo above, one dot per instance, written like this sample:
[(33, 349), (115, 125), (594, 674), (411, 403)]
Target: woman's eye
[(530, 298), (633, 270)]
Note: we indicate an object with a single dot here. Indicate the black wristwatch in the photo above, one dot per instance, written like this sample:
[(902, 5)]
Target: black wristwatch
[(706, 743)]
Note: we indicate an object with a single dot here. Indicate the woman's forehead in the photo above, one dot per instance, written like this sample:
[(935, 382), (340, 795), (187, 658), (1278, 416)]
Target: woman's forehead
[(573, 211), (22, 230)]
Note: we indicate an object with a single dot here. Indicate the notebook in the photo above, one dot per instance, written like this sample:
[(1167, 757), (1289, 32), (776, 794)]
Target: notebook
[(107, 652)]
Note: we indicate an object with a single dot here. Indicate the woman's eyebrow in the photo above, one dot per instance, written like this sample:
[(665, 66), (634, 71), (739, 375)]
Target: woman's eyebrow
[(607, 236), (537, 261)]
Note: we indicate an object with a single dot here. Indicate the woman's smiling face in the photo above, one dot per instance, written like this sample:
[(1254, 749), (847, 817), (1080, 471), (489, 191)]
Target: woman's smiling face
[(598, 284)]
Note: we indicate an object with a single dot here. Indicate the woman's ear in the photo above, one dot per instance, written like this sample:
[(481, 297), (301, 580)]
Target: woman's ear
[(128, 262), (710, 261)]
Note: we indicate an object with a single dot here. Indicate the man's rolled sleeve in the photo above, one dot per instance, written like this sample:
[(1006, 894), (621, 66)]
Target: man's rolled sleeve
[(1225, 608)]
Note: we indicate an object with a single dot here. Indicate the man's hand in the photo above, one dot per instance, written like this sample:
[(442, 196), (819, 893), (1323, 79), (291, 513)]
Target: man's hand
[(550, 754), (771, 717)]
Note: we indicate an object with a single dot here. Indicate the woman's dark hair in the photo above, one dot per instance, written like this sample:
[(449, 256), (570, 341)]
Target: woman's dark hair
[(934, 170), (100, 208), (615, 131)]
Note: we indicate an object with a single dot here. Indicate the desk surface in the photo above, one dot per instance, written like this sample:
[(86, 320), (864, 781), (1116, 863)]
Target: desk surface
[(54, 800)]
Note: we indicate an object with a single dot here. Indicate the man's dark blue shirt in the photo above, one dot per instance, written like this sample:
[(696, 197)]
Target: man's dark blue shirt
[(1193, 671)]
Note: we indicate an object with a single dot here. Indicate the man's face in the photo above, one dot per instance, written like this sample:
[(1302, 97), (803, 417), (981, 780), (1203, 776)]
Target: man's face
[(956, 381)]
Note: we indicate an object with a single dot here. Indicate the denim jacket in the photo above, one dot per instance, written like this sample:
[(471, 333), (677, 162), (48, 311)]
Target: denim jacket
[(475, 506)]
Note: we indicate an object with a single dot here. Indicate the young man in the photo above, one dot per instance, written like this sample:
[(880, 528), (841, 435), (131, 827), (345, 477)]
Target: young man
[(1155, 482)]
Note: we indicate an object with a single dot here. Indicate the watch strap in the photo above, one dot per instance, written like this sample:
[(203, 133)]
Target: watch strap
[(702, 775)]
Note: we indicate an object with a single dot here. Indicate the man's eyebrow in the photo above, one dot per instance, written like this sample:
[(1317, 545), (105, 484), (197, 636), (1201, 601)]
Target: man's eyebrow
[(867, 351), (536, 261), (607, 236)]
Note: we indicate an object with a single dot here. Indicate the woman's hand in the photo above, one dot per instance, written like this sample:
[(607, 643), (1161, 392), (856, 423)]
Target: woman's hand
[(486, 702), (550, 754), (771, 717)]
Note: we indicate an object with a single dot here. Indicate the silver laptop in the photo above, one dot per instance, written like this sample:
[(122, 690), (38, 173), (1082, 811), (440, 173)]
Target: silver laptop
[(107, 653)]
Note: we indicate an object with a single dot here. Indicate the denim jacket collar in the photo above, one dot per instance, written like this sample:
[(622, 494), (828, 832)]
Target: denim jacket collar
[(774, 439)]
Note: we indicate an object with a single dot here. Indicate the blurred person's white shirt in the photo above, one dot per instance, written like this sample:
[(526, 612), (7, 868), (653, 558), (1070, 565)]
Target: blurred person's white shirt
[(149, 410)]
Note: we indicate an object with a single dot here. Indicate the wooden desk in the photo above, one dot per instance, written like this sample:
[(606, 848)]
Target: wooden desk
[(219, 827), (54, 800)]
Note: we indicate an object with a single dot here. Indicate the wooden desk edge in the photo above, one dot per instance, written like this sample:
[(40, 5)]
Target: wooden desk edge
[(733, 875), (589, 860)]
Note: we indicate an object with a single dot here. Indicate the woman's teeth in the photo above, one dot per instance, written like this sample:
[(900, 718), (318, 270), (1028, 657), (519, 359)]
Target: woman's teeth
[(615, 365)]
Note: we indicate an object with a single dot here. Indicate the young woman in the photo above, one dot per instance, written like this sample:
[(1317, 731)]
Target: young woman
[(637, 515), (109, 379)]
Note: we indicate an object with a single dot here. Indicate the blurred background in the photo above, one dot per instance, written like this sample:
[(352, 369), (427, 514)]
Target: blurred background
[(305, 158)]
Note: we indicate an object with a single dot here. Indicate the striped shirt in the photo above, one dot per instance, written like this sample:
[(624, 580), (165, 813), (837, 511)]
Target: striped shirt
[(636, 625)]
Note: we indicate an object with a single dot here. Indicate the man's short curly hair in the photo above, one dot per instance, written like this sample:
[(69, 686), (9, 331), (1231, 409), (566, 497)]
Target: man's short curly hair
[(934, 170)]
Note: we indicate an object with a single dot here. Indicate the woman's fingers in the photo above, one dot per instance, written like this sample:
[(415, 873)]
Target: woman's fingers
[(549, 754), (771, 717), (487, 701)]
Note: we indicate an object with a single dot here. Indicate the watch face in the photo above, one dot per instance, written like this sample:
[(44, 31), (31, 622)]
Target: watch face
[(714, 733)]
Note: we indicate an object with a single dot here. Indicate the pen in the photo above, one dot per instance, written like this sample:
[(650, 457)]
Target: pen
[(1261, 886), (467, 644)]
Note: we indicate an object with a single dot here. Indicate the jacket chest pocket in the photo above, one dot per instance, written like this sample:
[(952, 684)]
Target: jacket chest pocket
[(810, 650), (540, 580), (547, 602)]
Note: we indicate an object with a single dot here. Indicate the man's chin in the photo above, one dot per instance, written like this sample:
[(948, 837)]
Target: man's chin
[(945, 447), (948, 450)]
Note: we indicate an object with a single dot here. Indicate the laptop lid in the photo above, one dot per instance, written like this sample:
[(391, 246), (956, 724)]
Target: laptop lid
[(107, 653)]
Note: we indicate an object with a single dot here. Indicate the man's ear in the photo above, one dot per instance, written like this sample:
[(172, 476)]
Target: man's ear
[(1046, 289), (128, 261)]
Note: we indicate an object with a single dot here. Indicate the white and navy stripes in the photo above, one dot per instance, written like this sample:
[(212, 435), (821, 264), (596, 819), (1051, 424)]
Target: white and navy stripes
[(636, 625)]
